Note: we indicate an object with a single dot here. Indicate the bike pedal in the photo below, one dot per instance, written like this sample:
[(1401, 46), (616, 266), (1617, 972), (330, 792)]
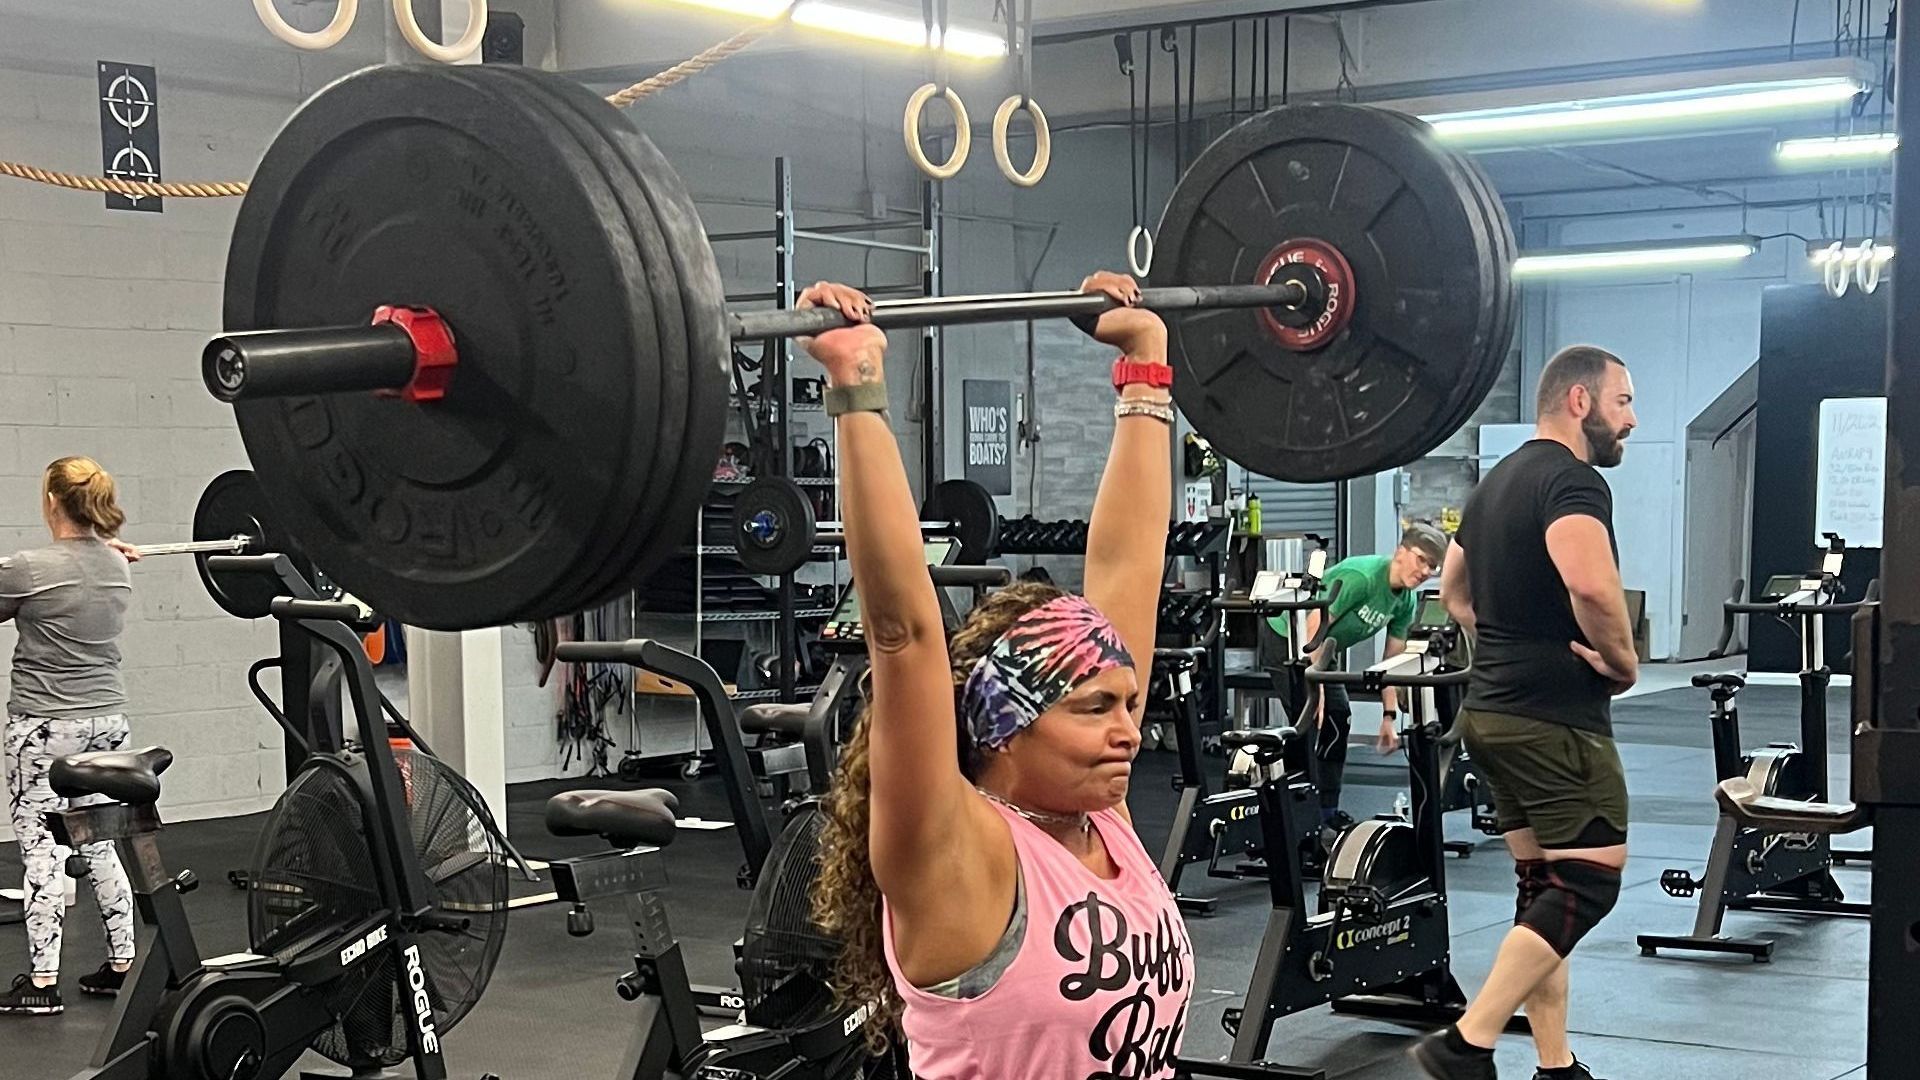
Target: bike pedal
[(1679, 883), (1230, 1020)]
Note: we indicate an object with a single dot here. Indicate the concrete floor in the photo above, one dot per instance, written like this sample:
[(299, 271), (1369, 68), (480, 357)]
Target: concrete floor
[(550, 1013)]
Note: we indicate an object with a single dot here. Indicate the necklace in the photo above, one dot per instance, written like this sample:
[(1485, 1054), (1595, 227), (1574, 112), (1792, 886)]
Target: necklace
[(1081, 821)]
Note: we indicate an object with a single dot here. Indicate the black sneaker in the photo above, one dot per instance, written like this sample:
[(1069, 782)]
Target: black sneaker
[(103, 983), (28, 999), (1576, 1071), (1443, 1055)]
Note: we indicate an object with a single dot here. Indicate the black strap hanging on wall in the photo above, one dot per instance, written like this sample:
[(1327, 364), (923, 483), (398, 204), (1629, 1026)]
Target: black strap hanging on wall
[(1233, 73), (1253, 65), (1286, 55), (1170, 43), (1193, 64), (1266, 69)]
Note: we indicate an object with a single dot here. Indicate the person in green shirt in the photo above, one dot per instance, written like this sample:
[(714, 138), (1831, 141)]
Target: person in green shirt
[(1377, 592)]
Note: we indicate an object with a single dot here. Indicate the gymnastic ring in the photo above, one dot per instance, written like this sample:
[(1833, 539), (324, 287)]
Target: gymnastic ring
[(316, 40), (433, 50), (962, 133), (1868, 258), (1042, 141), (1834, 273), (1141, 265)]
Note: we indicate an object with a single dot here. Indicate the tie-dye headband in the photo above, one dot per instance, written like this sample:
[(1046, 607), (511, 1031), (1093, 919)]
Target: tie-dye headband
[(1042, 658)]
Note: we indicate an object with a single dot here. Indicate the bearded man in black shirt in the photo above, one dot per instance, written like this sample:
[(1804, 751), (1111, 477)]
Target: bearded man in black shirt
[(1533, 574)]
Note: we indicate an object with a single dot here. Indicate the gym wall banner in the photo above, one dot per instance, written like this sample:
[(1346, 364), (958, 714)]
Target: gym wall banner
[(130, 131), (989, 410)]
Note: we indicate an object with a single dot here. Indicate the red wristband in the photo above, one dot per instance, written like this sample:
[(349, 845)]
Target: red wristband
[(1137, 372)]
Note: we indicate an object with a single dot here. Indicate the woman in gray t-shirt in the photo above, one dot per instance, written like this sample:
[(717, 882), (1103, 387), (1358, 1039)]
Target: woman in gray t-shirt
[(68, 600)]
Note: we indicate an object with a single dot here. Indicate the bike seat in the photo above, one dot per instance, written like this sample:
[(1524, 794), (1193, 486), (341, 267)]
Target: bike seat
[(1189, 654), (625, 818), (1273, 740), (775, 719), (1725, 680), (126, 776), (1744, 801)]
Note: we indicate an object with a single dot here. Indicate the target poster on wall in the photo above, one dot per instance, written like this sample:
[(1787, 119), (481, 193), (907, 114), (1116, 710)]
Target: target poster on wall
[(130, 131)]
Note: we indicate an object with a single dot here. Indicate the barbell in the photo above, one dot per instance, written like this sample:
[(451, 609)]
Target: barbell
[(232, 545), (478, 351)]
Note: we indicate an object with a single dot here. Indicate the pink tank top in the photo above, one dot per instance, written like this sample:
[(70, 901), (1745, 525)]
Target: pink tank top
[(1097, 991)]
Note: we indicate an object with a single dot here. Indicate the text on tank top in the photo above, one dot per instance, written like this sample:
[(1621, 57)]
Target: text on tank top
[(1098, 990)]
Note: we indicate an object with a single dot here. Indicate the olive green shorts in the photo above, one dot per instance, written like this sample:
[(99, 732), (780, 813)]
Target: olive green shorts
[(1563, 783)]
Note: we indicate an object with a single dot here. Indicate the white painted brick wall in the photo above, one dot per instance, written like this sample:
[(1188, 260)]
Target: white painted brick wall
[(102, 317)]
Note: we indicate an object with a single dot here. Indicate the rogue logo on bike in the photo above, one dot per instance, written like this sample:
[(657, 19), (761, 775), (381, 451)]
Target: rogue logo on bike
[(422, 1005)]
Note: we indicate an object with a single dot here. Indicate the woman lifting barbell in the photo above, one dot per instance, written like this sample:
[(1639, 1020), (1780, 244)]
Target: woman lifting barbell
[(978, 837), (68, 600)]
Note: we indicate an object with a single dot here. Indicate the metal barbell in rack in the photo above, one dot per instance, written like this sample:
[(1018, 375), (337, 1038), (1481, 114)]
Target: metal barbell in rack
[(522, 282)]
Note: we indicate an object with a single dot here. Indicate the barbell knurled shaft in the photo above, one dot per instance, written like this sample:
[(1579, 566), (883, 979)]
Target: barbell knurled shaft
[(1008, 307)]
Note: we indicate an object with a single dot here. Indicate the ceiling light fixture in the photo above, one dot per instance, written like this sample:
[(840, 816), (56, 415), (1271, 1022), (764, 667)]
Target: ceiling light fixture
[(873, 24), (1666, 108), (1651, 256)]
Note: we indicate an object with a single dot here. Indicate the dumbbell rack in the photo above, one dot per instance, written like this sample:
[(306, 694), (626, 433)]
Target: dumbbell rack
[(774, 396), (1182, 614)]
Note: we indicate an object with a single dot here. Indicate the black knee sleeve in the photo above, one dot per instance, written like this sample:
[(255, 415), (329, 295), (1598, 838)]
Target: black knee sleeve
[(1576, 895), (1530, 878)]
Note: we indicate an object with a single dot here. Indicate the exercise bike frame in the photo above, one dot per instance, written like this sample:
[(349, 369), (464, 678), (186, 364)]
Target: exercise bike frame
[(1366, 953), (666, 1043), (151, 1023), (1750, 868), (1207, 825)]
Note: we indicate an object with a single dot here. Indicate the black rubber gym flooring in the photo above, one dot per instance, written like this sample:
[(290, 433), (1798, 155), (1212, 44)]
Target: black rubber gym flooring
[(551, 1013)]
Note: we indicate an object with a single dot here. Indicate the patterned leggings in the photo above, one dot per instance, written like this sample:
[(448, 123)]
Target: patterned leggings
[(32, 746)]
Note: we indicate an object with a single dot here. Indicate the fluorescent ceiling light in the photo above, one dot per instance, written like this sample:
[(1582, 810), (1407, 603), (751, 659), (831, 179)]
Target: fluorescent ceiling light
[(1838, 147), (870, 23), (757, 9), (1822, 252), (1528, 123), (897, 29), (1635, 257)]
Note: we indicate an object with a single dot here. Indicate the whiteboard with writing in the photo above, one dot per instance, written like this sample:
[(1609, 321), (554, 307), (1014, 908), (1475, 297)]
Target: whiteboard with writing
[(1853, 469)]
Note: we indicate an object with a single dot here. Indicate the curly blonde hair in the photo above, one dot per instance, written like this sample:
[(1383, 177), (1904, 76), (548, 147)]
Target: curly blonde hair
[(846, 899)]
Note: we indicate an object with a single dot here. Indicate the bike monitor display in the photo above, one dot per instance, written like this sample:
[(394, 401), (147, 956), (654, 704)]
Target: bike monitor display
[(1431, 615), (1782, 585)]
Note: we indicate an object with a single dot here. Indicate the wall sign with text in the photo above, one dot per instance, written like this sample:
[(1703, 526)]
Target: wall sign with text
[(1852, 486), (988, 406)]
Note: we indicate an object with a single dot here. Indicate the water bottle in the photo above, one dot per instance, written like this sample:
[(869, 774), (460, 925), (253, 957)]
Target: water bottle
[(1403, 807), (1253, 515)]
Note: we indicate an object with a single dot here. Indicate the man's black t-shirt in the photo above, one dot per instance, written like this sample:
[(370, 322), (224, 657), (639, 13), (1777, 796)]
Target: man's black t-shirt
[(1523, 664)]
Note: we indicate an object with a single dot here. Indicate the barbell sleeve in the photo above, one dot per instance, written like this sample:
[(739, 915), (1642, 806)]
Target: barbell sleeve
[(1008, 307), (326, 360)]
